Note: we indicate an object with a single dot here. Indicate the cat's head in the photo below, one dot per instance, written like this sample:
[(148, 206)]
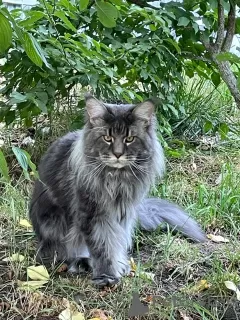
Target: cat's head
[(119, 135)]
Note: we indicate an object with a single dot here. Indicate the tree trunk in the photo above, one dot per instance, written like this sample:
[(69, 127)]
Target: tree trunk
[(229, 78)]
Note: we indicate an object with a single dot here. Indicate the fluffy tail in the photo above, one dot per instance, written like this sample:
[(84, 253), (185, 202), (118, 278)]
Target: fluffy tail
[(153, 212)]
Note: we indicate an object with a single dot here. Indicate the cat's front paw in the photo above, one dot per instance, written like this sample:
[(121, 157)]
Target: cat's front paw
[(126, 269), (105, 280)]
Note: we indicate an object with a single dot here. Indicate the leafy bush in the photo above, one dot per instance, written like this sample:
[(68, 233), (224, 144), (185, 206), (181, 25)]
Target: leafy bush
[(59, 44)]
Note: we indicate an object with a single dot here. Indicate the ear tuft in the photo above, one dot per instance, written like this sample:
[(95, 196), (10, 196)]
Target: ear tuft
[(144, 110), (95, 108)]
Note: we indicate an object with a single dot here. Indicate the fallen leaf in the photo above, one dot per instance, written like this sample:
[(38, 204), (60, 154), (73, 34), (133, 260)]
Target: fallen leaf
[(4, 306), (146, 275), (38, 273), (67, 314), (99, 314), (25, 223), (184, 316), (132, 265), (16, 257), (62, 268), (219, 179), (198, 287), (231, 286), (32, 285), (194, 166), (148, 299), (215, 238)]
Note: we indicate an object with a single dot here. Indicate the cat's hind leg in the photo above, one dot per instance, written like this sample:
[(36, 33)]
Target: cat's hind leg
[(49, 223)]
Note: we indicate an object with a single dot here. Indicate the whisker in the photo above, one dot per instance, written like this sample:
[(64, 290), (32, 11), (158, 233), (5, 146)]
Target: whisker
[(140, 168), (134, 173)]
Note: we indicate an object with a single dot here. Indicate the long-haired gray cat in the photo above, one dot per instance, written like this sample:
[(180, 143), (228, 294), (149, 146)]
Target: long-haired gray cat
[(92, 189)]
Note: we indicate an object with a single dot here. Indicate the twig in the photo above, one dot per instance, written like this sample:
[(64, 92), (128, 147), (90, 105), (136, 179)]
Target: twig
[(230, 27), (220, 33)]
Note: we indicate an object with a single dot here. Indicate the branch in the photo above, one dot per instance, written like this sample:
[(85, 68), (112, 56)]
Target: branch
[(142, 4), (230, 27), (197, 58), (220, 33), (207, 44)]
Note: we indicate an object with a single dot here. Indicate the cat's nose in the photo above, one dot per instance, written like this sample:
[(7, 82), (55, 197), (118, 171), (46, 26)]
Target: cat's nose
[(117, 154)]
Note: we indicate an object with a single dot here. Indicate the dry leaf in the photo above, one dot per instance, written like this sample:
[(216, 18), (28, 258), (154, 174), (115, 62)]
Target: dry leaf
[(99, 314), (25, 223), (231, 286), (184, 316), (215, 238), (4, 306), (194, 166), (132, 265), (32, 285), (62, 268), (16, 257), (67, 314), (219, 179), (38, 273)]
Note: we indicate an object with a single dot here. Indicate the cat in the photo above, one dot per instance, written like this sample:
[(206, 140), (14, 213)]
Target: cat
[(93, 187)]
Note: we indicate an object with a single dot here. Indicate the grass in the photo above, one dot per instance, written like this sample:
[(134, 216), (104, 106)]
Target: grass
[(178, 265), (203, 180)]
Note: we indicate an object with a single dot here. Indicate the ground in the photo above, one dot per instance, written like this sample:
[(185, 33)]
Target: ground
[(188, 277)]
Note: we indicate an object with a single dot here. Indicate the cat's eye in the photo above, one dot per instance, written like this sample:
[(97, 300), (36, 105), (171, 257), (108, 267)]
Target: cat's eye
[(108, 138), (129, 139)]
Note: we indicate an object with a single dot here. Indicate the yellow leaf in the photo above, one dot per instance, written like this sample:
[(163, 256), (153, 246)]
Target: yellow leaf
[(16, 257), (231, 286), (31, 285), (132, 265), (198, 287), (215, 238), (67, 314), (78, 316), (37, 273), (99, 314), (25, 223)]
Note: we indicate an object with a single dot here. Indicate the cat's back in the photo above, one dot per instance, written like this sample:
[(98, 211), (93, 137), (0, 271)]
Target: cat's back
[(55, 160)]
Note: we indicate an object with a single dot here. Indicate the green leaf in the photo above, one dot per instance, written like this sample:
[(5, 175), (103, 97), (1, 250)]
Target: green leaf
[(216, 79), (61, 15), (41, 105), (107, 13), (237, 26), (207, 126), (10, 117), (34, 16), (174, 43), (31, 50), (5, 33), (183, 21), (228, 56), (4, 167), (83, 4), (17, 97), (24, 159), (21, 158), (238, 81), (117, 2), (223, 130)]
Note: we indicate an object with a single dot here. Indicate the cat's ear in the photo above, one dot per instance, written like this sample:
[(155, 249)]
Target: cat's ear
[(95, 109), (144, 111)]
